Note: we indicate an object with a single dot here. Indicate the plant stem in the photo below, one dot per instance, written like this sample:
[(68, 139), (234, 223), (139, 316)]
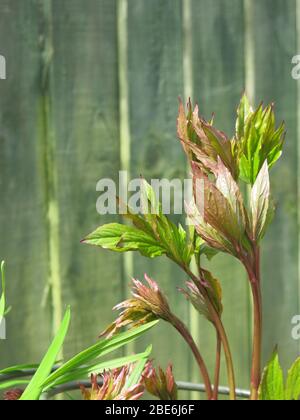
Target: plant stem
[(229, 361), (257, 342), (253, 271), (221, 331), (217, 368), (183, 331)]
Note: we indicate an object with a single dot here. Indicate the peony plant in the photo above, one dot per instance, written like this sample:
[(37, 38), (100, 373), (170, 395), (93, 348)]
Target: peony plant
[(227, 220)]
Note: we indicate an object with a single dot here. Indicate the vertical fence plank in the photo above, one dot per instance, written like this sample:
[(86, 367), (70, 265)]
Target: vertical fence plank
[(218, 48), (23, 227), (125, 135), (155, 81), (188, 82), (275, 45), (85, 120), (298, 153)]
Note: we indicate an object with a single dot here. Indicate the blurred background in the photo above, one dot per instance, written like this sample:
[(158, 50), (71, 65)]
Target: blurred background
[(92, 88)]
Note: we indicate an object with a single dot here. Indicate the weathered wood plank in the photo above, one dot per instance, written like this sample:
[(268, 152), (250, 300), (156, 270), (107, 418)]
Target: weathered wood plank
[(23, 212), (218, 45), (275, 45), (86, 143), (155, 81)]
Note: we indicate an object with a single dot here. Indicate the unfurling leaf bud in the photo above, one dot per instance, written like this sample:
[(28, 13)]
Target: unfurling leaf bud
[(214, 290), (147, 304), (162, 384), (113, 386)]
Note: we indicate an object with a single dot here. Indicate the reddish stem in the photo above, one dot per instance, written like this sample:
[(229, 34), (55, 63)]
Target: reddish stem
[(253, 270), (217, 367), (183, 331), (221, 331)]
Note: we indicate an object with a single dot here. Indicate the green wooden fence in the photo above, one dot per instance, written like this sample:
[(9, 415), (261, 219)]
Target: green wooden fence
[(92, 88)]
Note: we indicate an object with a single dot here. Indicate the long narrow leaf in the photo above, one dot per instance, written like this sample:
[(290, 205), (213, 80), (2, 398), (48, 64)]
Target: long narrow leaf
[(100, 349), (14, 383), (2, 299), (17, 370), (138, 370), (97, 368), (35, 387)]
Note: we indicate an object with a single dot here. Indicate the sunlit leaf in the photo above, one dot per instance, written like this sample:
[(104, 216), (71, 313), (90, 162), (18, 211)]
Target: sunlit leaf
[(138, 370), (153, 233), (82, 373), (35, 387), (13, 383), (244, 110), (102, 348), (272, 385), (257, 139), (2, 299), (293, 382), (123, 238)]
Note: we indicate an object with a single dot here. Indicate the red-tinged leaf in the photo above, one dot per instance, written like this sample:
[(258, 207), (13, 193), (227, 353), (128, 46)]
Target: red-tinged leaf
[(231, 191), (161, 385), (211, 236), (204, 143), (218, 212), (227, 185), (182, 124), (147, 304)]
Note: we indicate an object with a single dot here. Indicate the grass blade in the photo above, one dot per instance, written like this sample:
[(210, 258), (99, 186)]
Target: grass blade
[(14, 383), (97, 368), (100, 349), (17, 370), (138, 370), (35, 387), (2, 300)]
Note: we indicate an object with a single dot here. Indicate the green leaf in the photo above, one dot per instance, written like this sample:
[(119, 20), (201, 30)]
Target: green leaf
[(83, 373), (201, 248), (18, 369), (153, 234), (258, 140), (293, 382), (243, 112), (272, 385), (138, 370), (102, 348), (123, 238), (261, 208), (214, 290), (2, 300), (35, 387), (245, 169), (13, 383)]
